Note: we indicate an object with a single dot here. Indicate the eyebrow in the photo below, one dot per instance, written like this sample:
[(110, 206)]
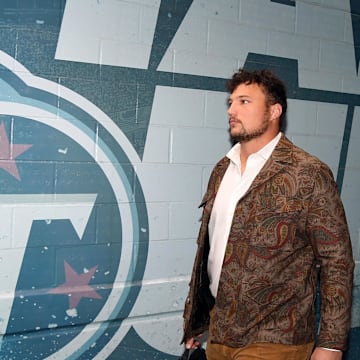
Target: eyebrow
[(239, 97)]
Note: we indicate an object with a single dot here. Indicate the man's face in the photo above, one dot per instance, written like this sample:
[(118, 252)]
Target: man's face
[(249, 116)]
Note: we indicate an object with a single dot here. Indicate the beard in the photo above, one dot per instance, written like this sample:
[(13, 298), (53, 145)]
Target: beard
[(244, 135)]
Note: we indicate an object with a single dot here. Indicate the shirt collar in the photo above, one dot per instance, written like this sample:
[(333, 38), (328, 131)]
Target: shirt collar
[(265, 152)]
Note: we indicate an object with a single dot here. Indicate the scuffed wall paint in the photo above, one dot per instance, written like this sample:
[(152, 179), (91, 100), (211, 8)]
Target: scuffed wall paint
[(112, 114)]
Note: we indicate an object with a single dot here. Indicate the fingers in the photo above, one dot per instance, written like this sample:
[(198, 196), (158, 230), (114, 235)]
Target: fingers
[(192, 343)]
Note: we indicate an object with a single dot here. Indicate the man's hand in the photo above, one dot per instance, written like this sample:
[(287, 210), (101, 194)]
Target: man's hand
[(192, 343), (324, 354)]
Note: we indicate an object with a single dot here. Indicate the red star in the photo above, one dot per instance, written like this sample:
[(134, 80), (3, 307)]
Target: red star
[(76, 286), (9, 152)]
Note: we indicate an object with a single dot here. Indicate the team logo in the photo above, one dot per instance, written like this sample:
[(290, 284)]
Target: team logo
[(74, 229)]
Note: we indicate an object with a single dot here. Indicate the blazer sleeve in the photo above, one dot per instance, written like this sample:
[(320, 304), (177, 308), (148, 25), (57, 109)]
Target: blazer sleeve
[(328, 230)]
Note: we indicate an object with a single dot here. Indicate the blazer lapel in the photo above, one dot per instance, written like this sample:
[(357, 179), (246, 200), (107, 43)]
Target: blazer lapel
[(280, 157)]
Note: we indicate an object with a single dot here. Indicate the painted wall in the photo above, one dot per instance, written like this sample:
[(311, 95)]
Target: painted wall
[(112, 114)]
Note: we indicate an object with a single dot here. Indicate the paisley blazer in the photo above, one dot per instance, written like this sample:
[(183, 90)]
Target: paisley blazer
[(288, 231)]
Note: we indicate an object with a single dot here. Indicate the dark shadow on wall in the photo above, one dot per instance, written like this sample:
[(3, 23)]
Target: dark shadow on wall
[(354, 348), (355, 20), (133, 347), (285, 2)]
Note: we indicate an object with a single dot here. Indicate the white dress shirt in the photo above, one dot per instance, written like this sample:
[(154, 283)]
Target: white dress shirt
[(232, 188)]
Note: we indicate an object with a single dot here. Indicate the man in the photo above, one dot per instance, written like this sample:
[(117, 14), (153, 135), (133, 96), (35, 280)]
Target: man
[(272, 216)]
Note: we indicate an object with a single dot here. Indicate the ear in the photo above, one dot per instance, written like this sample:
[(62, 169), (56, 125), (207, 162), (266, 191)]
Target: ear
[(275, 111)]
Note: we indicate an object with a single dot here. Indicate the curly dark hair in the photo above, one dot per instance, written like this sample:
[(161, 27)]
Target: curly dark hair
[(273, 87)]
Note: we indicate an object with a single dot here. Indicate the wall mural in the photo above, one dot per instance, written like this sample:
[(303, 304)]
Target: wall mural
[(70, 190)]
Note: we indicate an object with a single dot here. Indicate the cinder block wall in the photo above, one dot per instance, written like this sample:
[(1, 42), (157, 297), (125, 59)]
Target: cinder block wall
[(112, 115)]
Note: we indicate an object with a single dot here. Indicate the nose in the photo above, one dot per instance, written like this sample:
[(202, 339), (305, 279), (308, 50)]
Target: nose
[(230, 110)]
